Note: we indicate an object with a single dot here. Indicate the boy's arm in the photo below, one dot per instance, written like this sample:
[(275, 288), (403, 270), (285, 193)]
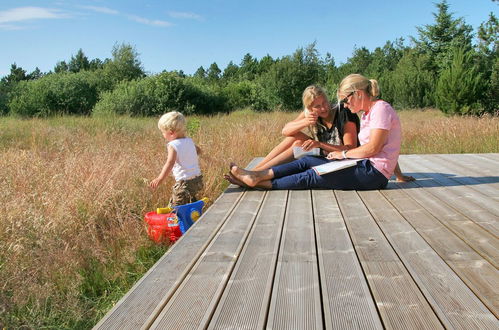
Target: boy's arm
[(167, 168)]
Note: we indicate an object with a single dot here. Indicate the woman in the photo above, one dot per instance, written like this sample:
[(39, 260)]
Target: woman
[(380, 137), (318, 126)]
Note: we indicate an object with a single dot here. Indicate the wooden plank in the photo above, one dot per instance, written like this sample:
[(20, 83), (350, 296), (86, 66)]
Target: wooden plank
[(158, 284), (480, 276), (195, 299), (449, 296), (488, 186), (460, 203), (245, 301), (399, 300), (474, 166), (482, 241), (346, 298), (451, 183), (295, 301)]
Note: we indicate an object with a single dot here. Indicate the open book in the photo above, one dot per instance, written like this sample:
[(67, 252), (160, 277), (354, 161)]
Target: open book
[(335, 165), (298, 152)]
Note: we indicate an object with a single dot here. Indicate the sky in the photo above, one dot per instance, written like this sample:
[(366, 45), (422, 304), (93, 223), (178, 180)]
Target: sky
[(186, 34)]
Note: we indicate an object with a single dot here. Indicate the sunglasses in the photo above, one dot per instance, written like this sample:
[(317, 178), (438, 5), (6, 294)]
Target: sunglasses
[(345, 99)]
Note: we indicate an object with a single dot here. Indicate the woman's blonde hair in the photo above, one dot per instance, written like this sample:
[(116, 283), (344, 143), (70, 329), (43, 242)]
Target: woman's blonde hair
[(357, 82), (311, 93), (174, 121)]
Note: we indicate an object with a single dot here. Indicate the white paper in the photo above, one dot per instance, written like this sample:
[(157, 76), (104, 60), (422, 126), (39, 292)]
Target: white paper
[(298, 152)]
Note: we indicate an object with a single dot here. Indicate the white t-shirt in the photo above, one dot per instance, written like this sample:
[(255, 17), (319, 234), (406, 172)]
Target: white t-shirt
[(186, 165)]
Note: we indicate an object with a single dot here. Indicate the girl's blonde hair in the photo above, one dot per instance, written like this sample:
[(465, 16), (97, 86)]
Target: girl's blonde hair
[(357, 82), (174, 121), (311, 93)]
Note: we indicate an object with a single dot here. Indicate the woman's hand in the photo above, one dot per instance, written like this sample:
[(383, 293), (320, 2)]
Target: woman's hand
[(335, 155), (309, 144)]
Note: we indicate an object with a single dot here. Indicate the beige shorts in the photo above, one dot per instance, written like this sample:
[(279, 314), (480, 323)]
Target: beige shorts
[(186, 191)]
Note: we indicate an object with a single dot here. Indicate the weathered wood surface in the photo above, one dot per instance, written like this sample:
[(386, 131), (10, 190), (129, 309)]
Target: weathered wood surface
[(420, 255)]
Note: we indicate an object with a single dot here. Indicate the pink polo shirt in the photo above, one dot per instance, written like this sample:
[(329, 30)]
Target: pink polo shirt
[(383, 116)]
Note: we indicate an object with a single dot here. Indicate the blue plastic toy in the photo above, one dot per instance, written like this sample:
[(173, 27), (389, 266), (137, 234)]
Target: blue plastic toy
[(187, 214)]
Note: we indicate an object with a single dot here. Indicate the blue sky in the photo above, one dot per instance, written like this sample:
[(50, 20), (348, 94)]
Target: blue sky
[(183, 35)]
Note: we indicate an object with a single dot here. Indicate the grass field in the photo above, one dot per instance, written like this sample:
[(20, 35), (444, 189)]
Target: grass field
[(73, 192)]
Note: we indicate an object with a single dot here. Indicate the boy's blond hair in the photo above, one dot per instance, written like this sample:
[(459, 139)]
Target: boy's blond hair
[(173, 121)]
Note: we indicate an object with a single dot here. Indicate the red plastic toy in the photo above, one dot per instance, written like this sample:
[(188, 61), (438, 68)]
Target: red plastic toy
[(162, 227)]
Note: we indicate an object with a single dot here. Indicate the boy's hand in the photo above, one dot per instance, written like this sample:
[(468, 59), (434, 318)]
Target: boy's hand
[(155, 183)]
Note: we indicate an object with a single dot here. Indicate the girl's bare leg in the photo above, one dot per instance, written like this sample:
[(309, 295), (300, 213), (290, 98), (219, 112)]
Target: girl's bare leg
[(278, 149), (286, 147)]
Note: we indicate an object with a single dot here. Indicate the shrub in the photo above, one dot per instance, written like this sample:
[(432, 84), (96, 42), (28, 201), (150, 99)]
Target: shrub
[(155, 95), (61, 93)]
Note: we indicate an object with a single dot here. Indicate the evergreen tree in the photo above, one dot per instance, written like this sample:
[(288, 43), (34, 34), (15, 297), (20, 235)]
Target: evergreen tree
[(78, 62), (440, 39), (200, 73), (459, 85), (213, 73)]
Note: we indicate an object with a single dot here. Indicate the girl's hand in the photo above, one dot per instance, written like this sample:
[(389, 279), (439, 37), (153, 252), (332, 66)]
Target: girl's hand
[(334, 155), (309, 144), (310, 118)]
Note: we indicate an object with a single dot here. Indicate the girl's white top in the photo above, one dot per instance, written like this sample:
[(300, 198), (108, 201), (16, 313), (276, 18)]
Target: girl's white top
[(186, 165)]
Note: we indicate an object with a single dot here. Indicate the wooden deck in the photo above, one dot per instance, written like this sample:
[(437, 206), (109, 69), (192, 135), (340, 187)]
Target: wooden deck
[(420, 255)]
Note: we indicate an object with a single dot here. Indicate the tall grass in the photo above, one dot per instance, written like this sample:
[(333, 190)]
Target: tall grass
[(73, 192)]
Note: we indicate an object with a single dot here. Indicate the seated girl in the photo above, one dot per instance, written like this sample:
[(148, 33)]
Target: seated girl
[(318, 126)]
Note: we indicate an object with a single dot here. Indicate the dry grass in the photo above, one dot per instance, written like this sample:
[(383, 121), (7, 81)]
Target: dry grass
[(73, 192)]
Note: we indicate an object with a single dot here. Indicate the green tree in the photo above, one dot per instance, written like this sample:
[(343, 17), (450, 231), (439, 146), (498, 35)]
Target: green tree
[(124, 65), (411, 84), (200, 73), (231, 72), (459, 85), (213, 73), (78, 62), (438, 40)]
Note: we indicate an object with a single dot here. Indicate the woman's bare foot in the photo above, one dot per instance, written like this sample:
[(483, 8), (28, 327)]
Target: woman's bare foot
[(249, 178)]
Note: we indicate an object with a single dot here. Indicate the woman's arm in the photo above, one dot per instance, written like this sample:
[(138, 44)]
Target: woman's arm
[(377, 139), (167, 168)]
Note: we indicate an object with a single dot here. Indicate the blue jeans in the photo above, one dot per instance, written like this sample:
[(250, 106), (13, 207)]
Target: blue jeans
[(299, 175)]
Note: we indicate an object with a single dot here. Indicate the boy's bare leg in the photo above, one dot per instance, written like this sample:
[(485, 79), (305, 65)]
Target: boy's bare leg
[(253, 178)]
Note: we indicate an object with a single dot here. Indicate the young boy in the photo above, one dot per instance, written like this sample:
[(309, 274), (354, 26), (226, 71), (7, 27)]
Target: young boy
[(182, 160)]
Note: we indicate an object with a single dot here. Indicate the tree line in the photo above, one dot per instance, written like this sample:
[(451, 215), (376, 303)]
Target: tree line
[(445, 67)]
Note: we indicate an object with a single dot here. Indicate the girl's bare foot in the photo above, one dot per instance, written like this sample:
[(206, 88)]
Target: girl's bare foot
[(247, 177), (229, 177)]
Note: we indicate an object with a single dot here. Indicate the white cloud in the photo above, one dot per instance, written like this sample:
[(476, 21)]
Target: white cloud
[(103, 10), (29, 13), (148, 21), (186, 15)]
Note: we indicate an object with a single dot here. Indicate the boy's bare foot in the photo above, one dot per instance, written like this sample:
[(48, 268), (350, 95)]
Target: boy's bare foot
[(247, 177)]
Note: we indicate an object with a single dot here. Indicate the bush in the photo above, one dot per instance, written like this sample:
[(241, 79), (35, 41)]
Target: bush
[(244, 94), (61, 93), (155, 95)]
